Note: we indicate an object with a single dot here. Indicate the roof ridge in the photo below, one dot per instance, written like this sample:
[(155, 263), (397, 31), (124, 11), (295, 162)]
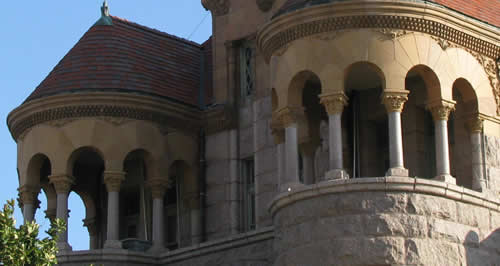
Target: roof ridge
[(155, 31)]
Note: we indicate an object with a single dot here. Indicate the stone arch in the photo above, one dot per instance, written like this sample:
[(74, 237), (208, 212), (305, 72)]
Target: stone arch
[(372, 75), (83, 151), (147, 159), (296, 87), (38, 169), (431, 80)]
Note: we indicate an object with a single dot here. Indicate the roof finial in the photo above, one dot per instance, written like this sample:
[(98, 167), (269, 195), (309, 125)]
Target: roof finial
[(105, 9)]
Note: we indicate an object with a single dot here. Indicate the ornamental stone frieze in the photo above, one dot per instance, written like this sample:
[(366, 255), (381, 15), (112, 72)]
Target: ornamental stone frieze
[(394, 100), (339, 16), (218, 7), (116, 109), (334, 102), (441, 109)]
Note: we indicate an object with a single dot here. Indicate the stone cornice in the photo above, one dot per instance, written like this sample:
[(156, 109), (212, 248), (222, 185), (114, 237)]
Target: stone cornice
[(385, 184), (411, 17), (115, 108)]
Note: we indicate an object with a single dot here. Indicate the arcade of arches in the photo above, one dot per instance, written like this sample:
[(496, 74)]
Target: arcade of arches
[(380, 109), (132, 188)]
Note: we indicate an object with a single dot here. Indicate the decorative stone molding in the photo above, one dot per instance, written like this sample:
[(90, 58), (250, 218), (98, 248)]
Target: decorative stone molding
[(91, 224), (277, 130), (113, 180), (392, 34), (475, 124), (265, 5), (441, 109), (394, 100), (272, 40), (62, 183), (290, 115), (158, 187), (334, 102), (28, 194), (218, 7)]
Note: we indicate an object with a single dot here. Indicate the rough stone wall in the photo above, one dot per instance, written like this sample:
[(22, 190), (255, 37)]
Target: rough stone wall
[(492, 161), (265, 161), (389, 228), (217, 186)]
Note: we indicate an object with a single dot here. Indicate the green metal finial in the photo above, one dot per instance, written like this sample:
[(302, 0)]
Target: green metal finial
[(105, 19)]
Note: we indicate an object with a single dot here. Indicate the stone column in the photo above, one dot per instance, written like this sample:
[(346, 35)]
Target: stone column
[(440, 113), (394, 101), (334, 103), (113, 180), (289, 118), (29, 198), (475, 126), (62, 184), (91, 225), (279, 138), (158, 188)]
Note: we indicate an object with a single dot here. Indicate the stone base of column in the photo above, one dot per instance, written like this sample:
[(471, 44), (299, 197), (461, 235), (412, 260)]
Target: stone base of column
[(446, 178), (157, 249), (113, 244), (289, 187), (397, 171), (64, 246), (336, 174)]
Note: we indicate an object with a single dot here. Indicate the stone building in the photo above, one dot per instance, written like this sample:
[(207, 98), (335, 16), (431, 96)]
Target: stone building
[(303, 132)]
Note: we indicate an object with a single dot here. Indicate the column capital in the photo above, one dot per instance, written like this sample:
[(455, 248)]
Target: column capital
[(441, 109), (113, 180), (51, 214), (91, 224), (394, 100), (218, 7), (475, 124), (158, 186), (28, 194), (62, 183), (334, 102), (290, 115), (277, 129)]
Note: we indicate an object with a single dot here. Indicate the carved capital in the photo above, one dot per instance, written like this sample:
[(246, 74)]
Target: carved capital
[(158, 187), (290, 115), (217, 7), (265, 5), (29, 194), (51, 214), (475, 124), (62, 183), (334, 102), (277, 129), (394, 100), (113, 180), (91, 224), (441, 109)]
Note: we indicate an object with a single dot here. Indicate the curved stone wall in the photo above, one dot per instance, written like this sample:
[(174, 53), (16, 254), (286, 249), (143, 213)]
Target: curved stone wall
[(382, 221)]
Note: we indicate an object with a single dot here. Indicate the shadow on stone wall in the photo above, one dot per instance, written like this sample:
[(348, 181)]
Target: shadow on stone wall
[(486, 252)]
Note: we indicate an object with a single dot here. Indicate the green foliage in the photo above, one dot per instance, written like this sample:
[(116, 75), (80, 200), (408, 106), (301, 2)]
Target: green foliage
[(21, 246)]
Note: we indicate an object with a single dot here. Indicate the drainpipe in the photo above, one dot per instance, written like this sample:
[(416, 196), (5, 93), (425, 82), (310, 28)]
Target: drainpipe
[(202, 184)]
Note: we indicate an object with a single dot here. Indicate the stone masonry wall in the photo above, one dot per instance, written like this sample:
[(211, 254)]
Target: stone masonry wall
[(372, 225), (492, 161)]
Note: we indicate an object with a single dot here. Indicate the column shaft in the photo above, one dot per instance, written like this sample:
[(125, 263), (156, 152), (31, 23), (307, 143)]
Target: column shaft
[(113, 225), (62, 213), (158, 223), (442, 151), (335, 141), (292, 155), (281, 163), (308, 161), (28, 212), (395, 140)]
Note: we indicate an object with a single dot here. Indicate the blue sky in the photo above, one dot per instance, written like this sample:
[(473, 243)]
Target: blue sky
[(36, 35)]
